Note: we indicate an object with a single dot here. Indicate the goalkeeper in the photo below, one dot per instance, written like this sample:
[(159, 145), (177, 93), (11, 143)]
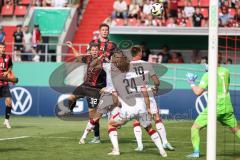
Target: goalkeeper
[(225, 114)]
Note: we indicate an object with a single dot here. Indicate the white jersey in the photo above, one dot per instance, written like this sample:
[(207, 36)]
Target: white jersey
[(145, 70), (109, 84)]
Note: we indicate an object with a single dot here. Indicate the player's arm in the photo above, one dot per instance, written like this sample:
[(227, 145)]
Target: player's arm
[(197, 90), (146, 98), (10, 64), (97, 61), (75, 52), (156, 82), (154, 78)]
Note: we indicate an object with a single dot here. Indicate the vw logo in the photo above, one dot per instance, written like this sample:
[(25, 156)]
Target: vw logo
[(22, 100), (201, 102)]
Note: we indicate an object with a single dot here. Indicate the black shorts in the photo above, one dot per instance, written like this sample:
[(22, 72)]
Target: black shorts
[(5, 91), (92, 94), (92, 102), (18, 47), (86, 91)]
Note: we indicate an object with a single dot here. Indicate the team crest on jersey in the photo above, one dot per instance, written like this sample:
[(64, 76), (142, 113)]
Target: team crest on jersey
[(5, 60)]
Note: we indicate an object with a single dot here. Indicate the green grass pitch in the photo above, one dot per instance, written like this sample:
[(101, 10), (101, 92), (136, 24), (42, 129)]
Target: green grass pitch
[(51, 138)]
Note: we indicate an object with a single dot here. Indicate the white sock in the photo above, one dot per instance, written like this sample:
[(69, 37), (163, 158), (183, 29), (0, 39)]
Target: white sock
[(156, 139), (162, 132), (138, 135), (88, 128), (114, 139)]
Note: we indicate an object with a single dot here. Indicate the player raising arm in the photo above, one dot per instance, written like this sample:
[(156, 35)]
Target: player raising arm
[(94, 81), (225, 114)]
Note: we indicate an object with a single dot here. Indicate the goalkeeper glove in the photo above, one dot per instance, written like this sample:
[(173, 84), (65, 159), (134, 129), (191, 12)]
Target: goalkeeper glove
[(191, 78)]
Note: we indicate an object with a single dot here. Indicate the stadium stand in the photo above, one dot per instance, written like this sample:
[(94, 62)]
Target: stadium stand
[(181, 6)]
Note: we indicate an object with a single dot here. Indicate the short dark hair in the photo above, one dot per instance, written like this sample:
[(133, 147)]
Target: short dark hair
[(2, 44), (135, 50), (93, 45), (103, 25)]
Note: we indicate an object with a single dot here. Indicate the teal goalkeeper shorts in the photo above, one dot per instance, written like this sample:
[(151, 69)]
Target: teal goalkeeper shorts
[(227, 119)]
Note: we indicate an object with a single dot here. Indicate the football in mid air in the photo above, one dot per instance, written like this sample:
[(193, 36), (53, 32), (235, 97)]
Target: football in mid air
[(157, 9)]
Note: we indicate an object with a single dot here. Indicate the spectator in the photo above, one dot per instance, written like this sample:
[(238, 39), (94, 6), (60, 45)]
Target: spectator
[(224, 17), (146, 9), (195, 57), (154, 58), (148, 20), (36, 40), (197, 18), (120, 10), (173, 8), (27, 43), (2, 34), (204, 60), (188, 10), (133, 10), (237, 16), (164, 55), (229, 61), (18, 43), (176, 58), (145, 51), (37, 2), (181, 21), (59, 3), (171, 22)]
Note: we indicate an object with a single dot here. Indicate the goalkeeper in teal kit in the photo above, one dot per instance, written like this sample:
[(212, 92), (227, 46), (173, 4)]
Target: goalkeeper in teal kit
[(225, 113)]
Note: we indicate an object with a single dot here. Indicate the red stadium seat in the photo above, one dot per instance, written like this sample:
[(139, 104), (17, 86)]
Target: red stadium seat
[(195, 3), (204, 11), (119, 22), (7, 10), (132, 22), (20, 11), (181, 3), (232, 11), (25, 2), (204, 3)]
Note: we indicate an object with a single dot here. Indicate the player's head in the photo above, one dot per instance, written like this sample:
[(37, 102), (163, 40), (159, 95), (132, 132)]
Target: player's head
[(19, 27), (94, 49), (136, 52), (104, 30), (2, 48), (120, 60)]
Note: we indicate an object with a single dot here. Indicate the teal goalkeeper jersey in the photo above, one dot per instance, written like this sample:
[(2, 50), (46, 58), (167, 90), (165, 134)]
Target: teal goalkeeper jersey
[(224, 104)]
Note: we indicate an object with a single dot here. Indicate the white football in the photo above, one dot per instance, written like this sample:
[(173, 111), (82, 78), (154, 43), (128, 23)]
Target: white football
[(157, 9)]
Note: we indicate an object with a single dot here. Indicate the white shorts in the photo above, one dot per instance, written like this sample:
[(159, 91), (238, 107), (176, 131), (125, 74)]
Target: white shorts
[(129, 111), (143, 118)]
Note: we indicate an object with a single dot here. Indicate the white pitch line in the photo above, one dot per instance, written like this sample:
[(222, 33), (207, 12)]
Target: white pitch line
[(175, 141), (4, 139)]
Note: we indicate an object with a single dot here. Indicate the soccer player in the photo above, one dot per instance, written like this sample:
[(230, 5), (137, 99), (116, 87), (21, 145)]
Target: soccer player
[(106, 103), (106, 46), (145, 70), (95, 80), (135, 104), (225, 114), (6, 71)]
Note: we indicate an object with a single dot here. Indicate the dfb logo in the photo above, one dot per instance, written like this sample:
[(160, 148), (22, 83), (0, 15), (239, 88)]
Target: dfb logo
[(22, 100), (201, 102)]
